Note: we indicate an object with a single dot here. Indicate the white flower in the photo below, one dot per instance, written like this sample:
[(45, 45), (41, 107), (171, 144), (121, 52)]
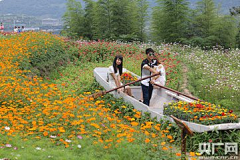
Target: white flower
[(38, 148), (7, 128), (67, 140), (53, 136), (8, 145), (79, 146)]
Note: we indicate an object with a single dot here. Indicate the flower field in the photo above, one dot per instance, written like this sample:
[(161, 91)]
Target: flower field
[(35, 109), (200, 112), (215, 76), (44, 81)]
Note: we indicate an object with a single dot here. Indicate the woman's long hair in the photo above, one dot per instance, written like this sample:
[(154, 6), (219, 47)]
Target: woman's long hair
[(157, 60), (115, 65)]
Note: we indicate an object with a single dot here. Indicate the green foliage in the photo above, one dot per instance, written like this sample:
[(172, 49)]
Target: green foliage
[(173, 20), (140, 18), (90, 27), (226, 31), (208, 28), (106, 19), (74, 19), (206, 17)]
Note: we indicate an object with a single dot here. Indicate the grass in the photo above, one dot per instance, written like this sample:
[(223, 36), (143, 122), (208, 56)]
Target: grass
[(44, 149)]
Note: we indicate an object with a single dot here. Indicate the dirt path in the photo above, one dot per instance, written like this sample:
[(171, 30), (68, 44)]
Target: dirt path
[(185, 81)]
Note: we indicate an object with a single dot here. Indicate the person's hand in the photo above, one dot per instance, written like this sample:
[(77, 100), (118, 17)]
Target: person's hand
[(119, 90), (151, 81)]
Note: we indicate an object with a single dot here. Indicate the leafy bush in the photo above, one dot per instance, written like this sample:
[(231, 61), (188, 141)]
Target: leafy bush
[(45, 53)]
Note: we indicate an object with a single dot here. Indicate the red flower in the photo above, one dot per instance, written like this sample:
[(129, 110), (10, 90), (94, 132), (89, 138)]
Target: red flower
[(230, 111), (223, 114)]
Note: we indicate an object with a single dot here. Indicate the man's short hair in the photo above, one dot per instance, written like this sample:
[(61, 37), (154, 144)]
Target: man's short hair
[(149, 50)]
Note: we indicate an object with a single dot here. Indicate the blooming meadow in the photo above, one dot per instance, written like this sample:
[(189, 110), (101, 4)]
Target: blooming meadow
[(35, 109), (215, 76), (44, 81)]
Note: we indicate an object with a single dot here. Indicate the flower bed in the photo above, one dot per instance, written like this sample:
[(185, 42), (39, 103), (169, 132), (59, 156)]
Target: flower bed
[(127, 77), (200, 112)]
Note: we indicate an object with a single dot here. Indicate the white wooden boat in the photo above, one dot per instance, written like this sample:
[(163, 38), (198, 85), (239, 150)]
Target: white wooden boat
[(165, 96)]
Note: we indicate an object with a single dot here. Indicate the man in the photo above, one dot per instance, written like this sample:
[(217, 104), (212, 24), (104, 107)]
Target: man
[(146, 67), (1, 27)]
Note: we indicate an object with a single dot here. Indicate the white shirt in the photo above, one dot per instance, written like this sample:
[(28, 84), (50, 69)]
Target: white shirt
[(111, 81), (162, 78)]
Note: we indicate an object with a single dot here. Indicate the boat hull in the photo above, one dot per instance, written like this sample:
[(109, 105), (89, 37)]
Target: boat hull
[(165, 96)]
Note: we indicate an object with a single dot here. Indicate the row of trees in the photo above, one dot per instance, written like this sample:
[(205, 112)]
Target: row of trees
[(107, 19), (168, 21)]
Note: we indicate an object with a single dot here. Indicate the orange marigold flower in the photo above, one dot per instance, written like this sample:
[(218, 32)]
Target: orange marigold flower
[(134, 123), (169, 137), (178, 154), (45, 133), (131, 139), (164, 148), (147, 140), (192, 154)]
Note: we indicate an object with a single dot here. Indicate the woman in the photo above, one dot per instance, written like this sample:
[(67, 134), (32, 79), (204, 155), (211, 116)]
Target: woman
[(114, 73), (161, 80)]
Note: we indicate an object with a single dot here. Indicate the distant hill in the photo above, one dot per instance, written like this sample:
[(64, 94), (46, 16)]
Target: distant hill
[(39, 8), (56, 8)]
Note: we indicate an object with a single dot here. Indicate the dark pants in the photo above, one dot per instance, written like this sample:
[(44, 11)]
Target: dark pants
[(147, 93)]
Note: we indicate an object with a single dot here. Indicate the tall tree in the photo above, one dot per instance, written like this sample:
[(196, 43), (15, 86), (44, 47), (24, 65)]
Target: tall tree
[(235, 11), (105, 18), (206, 18), (172, 20), (121, 18), (226, 31), (88, 19), (73, 19), (157, 32), (142, 15)]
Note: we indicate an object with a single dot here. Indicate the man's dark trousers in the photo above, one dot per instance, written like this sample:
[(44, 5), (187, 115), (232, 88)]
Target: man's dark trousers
[(147, 93)]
